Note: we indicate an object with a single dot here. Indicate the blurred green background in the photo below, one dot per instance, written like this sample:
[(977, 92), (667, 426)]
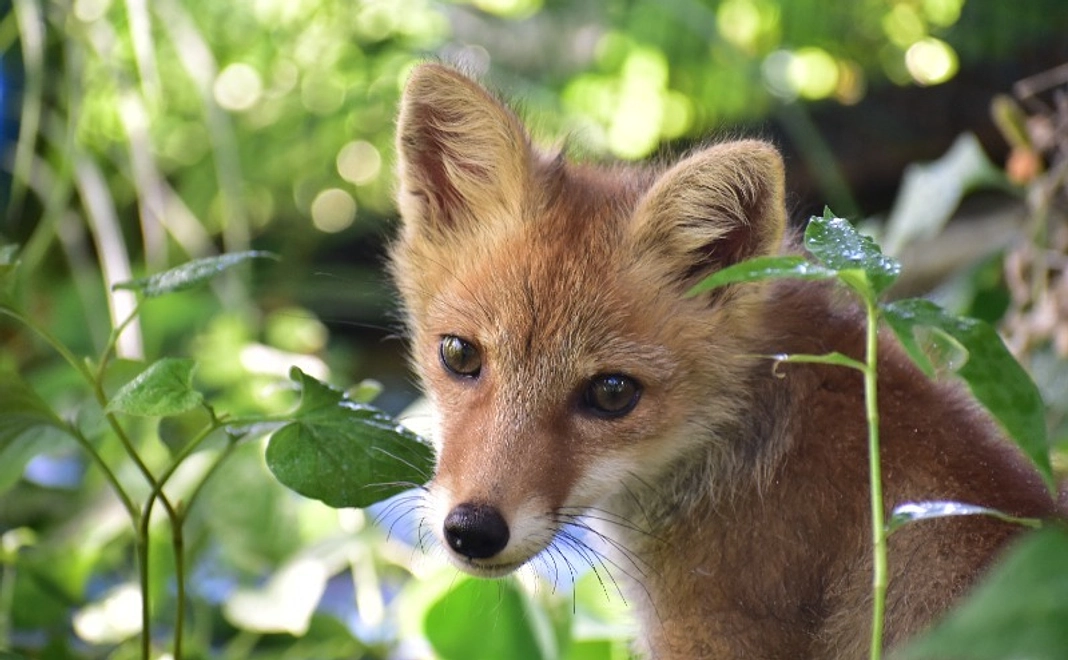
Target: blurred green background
[(136, 135)]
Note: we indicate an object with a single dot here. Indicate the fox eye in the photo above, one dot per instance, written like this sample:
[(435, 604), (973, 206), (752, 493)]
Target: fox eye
[(612, 395), (460, 356)]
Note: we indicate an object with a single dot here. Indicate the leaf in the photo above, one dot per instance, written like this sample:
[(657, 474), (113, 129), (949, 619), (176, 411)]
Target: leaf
[(190, 274), (165, 388), (344, 453), (991, 372), (931, 192), (904, 514), (8, 265), (763, 268), (28, 427), (487, 620), (839, 246), (1018, 611), (285, 603), (834, 358)]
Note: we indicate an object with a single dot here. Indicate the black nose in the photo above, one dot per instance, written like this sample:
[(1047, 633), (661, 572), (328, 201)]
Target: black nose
[(476, 531)]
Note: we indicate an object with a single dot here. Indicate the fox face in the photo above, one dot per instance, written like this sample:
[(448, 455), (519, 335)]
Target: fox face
[(550, 328)]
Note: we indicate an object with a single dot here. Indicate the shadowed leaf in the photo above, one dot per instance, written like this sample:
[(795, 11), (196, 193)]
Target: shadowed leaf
[(28, 427), (344, 453)]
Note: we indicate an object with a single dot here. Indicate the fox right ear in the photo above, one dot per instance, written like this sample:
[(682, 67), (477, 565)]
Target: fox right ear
[(462, 155)]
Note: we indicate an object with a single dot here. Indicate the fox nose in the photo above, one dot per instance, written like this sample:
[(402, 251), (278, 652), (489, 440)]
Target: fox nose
[(476, 531)]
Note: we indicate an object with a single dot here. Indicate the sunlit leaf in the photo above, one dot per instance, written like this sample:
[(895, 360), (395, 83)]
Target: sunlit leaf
[(1019, 611), (991, 372), (344, 453), (164, 388), (28, 427), (904, 514), (487, 620), (191, 274), (763, 268), (839, 246)]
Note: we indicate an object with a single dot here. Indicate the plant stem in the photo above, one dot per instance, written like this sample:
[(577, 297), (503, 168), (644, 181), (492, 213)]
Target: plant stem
[(878, 526)]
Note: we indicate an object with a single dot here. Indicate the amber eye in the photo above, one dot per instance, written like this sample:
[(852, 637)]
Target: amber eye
[(460, 356), (612, 395)]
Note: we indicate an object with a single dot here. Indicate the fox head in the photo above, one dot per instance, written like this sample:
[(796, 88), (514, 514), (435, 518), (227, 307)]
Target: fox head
[(547, 309)]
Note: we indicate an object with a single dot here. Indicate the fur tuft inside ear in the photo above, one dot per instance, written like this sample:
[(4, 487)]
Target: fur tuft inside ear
[(713, 209), (462, 155)]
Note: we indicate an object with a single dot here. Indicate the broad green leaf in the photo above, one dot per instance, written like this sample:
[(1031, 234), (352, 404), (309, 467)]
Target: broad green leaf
[(1019, 611), (763, 268), (344, 453), (904, 514), (839, 246), (487, 620), (190, 274), (28, 427), (991, 372), (164, 388)]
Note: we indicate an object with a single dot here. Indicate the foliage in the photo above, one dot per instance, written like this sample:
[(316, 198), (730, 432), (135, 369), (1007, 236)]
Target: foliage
[(139, 135)]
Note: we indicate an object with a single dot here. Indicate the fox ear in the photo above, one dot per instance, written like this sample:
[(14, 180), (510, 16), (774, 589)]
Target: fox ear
[(462, 155), (714, 209)]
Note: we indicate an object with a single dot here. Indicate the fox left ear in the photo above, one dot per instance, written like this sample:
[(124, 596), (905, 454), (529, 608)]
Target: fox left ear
[(713, 209), (463, 157)]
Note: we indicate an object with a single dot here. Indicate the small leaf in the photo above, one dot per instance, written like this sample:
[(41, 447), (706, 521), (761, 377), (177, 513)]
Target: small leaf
[(763, 268), (190, 274), (839, 246), (28, 427), (834, 358), (165, 388), (991, 372), (344, 453), (1019, 611), (904, 514)]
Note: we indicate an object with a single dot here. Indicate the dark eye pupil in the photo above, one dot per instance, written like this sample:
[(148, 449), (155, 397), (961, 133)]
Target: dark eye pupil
[(614, 394), (460, 356)]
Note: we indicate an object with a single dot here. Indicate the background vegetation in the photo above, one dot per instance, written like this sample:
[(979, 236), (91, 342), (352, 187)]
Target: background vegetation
[(137, 135)]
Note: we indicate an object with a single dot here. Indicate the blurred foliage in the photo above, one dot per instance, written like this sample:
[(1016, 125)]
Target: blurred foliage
[(137, 135)]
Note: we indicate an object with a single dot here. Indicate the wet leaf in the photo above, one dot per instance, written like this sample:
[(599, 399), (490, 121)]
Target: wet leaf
[(834, 358), (191, 274), (344, 453), (904, 514), (1019, 611), (763, 268), (990, 371), (165, 388), (839, 246)]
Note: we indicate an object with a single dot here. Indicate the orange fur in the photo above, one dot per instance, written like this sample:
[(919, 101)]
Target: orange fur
[(735, 496)]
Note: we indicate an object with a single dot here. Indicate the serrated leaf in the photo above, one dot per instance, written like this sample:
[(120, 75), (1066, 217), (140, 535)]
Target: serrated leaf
[(164, 388), (1018, 611), (991, 372), (191, 274), (763, 268), (28, 427), (344, 453), (904, 514), (839, 246)]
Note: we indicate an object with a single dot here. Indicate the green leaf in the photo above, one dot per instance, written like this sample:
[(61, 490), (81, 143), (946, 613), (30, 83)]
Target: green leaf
[(28, 427), (834, 358), (839, 246), (190, 274), (763, 268), (1019, 611), (487, 620), (344, 453), (991, 372), (8, 265), (904, 514), (164, 388)]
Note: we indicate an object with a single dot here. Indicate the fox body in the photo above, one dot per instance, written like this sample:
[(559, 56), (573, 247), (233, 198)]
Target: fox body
[(571, 375)]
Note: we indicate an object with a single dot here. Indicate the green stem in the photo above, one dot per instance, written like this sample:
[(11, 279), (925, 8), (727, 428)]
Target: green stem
[(878, 526)]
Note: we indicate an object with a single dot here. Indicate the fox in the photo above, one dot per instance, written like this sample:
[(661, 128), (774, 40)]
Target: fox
[(575, 385)]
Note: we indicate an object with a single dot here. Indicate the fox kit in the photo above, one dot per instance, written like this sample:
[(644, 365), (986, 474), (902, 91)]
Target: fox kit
[(571, 374)]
